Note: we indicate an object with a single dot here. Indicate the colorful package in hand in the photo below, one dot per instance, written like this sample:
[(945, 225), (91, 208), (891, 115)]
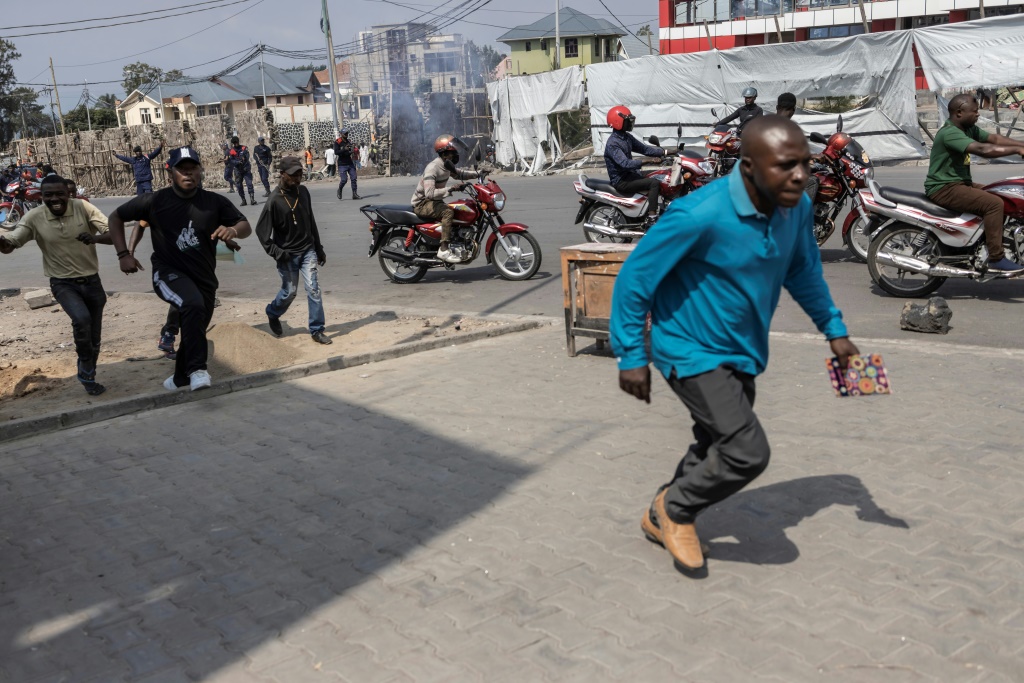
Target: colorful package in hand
[(864, 376)]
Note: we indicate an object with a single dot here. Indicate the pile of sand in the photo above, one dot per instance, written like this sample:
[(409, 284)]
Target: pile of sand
[(240, 349)]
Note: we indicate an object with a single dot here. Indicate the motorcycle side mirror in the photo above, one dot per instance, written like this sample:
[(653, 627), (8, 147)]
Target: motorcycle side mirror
[(839, 124), (714, 112), (679, 130), (478, 155), (819, 138), (654, 141)]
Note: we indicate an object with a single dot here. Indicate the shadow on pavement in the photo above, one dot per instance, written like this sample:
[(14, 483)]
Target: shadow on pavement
[(758, 518), (185, 539)]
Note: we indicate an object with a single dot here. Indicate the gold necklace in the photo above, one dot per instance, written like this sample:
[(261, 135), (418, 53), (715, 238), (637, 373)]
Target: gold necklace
[(291, 206)]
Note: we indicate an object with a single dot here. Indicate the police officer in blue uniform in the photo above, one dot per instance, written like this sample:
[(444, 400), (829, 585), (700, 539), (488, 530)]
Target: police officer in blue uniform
[(141, 168), (239, 154), (229, 167), (264, 157)]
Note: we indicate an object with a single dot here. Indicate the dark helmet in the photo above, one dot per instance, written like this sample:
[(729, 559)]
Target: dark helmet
[(749, 92), (234, 140), (260, 139)]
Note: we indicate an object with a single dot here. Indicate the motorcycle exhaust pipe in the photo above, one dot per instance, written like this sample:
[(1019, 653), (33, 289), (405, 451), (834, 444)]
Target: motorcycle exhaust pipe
[(613, 232), (916, 265), (408, 259)]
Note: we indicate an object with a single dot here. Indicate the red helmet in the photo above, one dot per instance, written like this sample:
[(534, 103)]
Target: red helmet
[(445, 143), (619, 117), (837, 145)]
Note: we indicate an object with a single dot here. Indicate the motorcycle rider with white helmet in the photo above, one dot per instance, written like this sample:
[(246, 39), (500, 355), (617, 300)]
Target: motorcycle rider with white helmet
[(618, 159), (748, 111)]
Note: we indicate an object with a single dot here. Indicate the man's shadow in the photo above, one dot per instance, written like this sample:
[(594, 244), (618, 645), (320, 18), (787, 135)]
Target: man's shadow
[(758, 518)]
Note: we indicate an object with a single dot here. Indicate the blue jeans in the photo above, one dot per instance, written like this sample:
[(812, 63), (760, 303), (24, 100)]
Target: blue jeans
[(289, 268)]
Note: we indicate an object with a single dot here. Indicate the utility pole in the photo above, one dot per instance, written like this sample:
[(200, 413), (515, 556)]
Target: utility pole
[(981, 8), (864, 16), (558, 35), (57, 94), (53, 119), (85, 96), (263, 77), (24, 126), (331, 67)]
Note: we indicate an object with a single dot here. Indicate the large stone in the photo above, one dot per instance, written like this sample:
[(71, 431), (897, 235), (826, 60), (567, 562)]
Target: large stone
[(38, 298), (932, 317)]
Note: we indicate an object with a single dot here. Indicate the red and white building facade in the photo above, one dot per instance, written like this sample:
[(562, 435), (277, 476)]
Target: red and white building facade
[(698, 25)]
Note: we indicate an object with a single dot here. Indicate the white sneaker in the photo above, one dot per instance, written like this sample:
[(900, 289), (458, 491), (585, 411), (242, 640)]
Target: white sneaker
[(169, 384), (447, 256), (200, 379)]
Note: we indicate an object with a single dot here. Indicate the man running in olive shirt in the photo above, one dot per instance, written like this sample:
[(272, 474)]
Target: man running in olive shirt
[(66, 231)]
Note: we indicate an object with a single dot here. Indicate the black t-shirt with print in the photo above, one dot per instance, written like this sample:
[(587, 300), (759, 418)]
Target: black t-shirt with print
[(181, 227)]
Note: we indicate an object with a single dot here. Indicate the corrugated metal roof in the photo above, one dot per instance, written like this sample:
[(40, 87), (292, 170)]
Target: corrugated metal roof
[(278, 81), (200, 92), (631, 47), (572, 23)]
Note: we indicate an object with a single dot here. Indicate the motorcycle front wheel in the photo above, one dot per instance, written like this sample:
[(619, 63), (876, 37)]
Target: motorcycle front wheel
[(520, 260), (857, 240), (402, 273), (904, 240), (9, 218), (606, 216)]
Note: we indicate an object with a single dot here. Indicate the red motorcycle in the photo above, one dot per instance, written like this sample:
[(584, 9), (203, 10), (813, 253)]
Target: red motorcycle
[(610, 216), (407, 246), (21, 197), (723, 143)]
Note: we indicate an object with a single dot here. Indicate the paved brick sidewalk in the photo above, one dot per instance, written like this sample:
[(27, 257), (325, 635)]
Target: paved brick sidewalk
[(383, 524)]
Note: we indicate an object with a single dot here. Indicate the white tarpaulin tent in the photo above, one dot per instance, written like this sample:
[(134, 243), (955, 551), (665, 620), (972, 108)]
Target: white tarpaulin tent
[(681, 90), (520, 108), (987, 53)]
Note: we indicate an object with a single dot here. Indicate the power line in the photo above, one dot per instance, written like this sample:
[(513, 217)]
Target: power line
[(125, 23), (617, 20), (118, 16)]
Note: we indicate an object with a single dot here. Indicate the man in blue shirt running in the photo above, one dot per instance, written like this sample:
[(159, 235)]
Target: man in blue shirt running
[(710, 272)]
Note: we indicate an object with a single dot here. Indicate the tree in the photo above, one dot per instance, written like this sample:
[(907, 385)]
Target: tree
[(101, 117), (308, 67), (482, 62), (12, 99), (20, 112), (173, 75), (645, 30), (138, 74)]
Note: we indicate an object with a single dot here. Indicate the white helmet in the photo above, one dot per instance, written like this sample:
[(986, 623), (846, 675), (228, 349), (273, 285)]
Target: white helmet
[(750, 92)]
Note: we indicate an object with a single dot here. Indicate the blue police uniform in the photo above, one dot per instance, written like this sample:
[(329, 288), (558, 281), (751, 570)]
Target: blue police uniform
[(243, 170), (264, 157), (141, 169)]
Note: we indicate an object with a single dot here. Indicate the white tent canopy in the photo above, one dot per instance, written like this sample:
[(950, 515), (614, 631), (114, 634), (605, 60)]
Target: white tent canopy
[(987, 53)]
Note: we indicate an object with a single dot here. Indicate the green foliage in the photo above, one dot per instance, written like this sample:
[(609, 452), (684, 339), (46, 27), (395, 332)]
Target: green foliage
[(139, 74), (832, 105), (645, 30), (482, 62), (101, 118), (19, 110), (307, 67)]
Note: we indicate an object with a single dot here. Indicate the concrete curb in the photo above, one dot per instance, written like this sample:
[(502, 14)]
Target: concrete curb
[(53, 422)]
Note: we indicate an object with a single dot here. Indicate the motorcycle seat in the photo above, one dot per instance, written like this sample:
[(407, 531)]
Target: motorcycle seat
[(398, 214), (918, 200), (604, 186), (687, 154)]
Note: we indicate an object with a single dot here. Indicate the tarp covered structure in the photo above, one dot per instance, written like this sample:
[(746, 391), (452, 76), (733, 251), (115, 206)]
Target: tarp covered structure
[(681, 90), (987, 53), (520, 108)]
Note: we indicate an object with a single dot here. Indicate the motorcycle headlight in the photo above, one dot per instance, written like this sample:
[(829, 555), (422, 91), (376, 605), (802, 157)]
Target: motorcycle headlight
[(714, 139), (706, 167), (499, 201)]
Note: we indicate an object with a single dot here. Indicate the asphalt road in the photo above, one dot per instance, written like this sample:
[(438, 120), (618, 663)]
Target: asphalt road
[(983, 314)]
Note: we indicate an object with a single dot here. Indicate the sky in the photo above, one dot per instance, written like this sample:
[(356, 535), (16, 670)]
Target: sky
[(233, 26)]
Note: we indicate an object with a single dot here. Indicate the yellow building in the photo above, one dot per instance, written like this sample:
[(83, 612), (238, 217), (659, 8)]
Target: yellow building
[(585, 40)]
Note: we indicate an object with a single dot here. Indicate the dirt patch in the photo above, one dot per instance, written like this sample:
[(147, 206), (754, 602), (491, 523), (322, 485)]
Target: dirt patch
[(37, 351)]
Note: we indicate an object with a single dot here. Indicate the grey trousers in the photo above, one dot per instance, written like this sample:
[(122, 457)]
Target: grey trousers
[(730, 448)]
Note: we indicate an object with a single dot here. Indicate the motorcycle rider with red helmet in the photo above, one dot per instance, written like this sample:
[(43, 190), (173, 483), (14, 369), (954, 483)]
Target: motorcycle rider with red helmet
[(618, 158), (428, 200)]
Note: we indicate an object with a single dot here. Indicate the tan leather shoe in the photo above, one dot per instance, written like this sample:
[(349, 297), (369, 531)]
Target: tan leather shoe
[(653, 533), (680, 540)]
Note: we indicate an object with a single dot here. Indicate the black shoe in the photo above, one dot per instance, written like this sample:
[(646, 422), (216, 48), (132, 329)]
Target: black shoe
[(355, 196), (252, 199), (275, 325), (339, 194), (321, 338), (267, 193), (244, 203)]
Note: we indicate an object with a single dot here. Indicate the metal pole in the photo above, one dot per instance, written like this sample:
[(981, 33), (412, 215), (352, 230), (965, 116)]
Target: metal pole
[(981, 8), (263, 78), (24, 126), (558, 35), (707, 32), (57, 95), (53, 119), (391, 125), (864, 16), (330, 69), (88, 117), (160, 94), (778, 29)]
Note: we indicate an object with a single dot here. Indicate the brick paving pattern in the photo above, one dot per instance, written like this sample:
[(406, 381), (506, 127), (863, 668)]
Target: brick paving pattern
[(472, 514)]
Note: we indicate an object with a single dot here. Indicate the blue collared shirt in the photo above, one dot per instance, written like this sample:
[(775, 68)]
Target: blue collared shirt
[(710, 271)]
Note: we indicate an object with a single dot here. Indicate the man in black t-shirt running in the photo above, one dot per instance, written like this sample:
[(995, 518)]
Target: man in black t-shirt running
[(185, 223)]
